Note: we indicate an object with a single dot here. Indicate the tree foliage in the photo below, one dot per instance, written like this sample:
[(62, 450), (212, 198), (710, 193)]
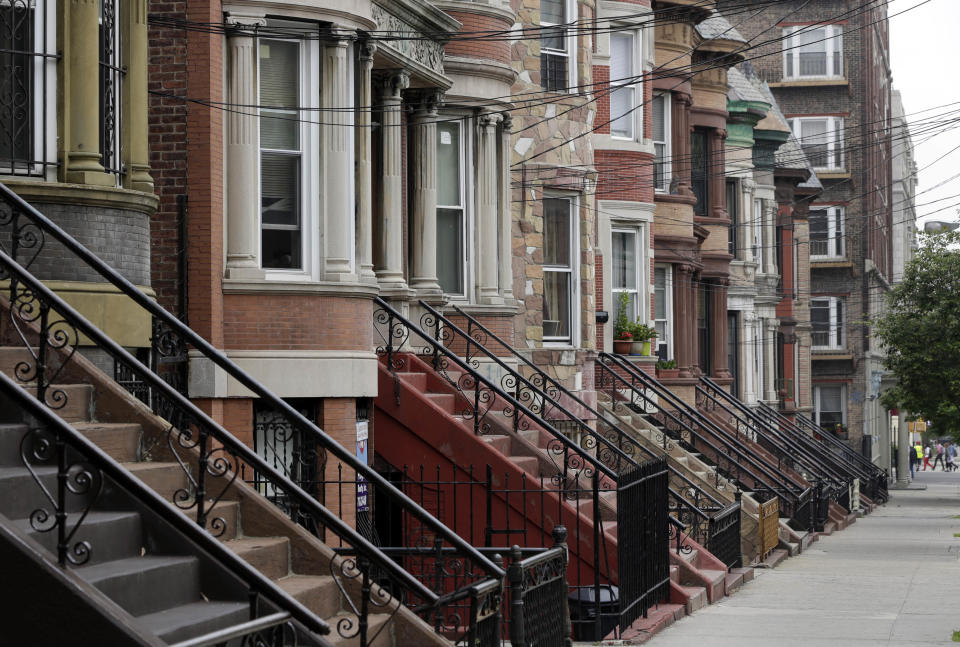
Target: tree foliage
[(921, 335)]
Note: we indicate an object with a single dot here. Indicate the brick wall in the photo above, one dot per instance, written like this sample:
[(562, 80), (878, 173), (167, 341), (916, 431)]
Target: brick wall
[(494, 49)]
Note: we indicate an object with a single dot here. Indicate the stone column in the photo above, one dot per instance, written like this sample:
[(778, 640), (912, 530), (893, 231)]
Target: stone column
[(363, 151), (423, 216), (718, 322), (506, 212), (769, 360), (903, 449), (684, 316), (717, 186), (488, 181), (136, 152), (242, 150), (81, 67), (680, 143), (338, 217), (389, 244)]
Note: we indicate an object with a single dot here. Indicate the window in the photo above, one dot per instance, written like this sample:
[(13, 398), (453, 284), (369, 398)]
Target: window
[(627, 271), (700, 171), (286, 449), (704, 338), (661, 141), (758, 232), (663, 309), (626, 115), (559, 279), (813, 53), (110, 83), (281, 155), (827, 318), (821, 139), (557, 55), (829, 405), (451, 205), (733, 209), (733, 355), (826, 232)]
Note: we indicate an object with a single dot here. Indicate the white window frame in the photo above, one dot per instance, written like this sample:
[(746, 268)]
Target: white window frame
[(667, 319), (642, 263), (635, 118), (666, 98), (311, 178), (836, 336), (832, 34), (573, 340), (570, 40), (467, 131), (44, 109), (817, 408), (834, 139), (836, 239), (756, 221)]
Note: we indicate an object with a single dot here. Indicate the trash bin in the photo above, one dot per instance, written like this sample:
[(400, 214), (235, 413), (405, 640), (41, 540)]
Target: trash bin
[(584, 607)]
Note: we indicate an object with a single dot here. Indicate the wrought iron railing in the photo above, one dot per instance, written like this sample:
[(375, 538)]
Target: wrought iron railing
[(549, 398), (84, 473), (211, 457), (678, 422)]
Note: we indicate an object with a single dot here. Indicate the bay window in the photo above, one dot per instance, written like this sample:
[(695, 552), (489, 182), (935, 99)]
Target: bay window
[(663, 309), (821, 139), (813, 53), (559, 276), (557, 45), (827, 319), (826, 232), (829, 403), (451, 208), (661, 142), (626, 115)]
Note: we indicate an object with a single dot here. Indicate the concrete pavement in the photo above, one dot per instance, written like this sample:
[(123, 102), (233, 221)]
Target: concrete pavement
[(892, 578)]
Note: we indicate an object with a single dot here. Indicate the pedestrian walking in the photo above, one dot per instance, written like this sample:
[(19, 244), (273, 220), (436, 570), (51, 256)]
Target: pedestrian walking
[(939, 458), (951, 452), (926, 458)]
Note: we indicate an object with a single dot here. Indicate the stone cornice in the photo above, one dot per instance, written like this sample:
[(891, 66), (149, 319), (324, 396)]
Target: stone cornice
[(84, 195), (478, 8)]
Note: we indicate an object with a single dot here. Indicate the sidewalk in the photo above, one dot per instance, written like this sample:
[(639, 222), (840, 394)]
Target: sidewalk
[(892, 578)]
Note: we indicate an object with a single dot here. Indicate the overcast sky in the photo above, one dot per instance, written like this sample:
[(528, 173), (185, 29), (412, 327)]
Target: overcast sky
[(925, 56)]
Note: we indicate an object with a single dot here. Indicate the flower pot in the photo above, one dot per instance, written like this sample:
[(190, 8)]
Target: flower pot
[(668, 373), (646, 348), (636, 348), (621, 347)]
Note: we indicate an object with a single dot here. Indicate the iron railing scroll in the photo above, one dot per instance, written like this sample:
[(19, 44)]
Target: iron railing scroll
[(212, 458)]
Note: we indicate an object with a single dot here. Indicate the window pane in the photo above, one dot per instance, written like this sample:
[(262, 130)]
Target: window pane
[(556, 232), (280, 189), (659, 116), (837, 51), (553, 72), (698, 171), (813, 139), (733, 208), (621, 58), (16, 79), (553, 11), (281, 249), (820, 320), (279, 88), (819, 233), (450, 258), (448, 164), (621, 112), (631, 305), (556, 304), (660, 293), (813, 53), (624, 260)]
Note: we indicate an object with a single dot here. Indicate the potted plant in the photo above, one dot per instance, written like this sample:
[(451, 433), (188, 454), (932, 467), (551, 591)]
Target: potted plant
[(667, 369), (621, 345), (642, 334)]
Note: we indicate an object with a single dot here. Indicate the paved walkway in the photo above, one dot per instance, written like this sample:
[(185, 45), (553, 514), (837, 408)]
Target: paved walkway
[(892, 578)]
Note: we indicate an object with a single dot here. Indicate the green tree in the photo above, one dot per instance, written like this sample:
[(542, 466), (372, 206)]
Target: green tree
[(921, 334)]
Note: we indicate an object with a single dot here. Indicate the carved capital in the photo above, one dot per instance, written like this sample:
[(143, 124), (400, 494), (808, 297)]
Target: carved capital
[(239, 23), (365, 51), (489, 119), (394, 83), (507, 122), (425, 103)]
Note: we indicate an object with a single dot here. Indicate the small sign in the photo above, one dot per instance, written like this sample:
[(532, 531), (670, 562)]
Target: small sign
[(363, 497), (445, 137)]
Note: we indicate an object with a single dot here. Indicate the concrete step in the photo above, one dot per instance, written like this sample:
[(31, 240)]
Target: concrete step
[(792, 548), (499, 443), (416, 380), (733, 582), (746, 572), (163, 478), (21, 495), (529, 464), (77, 399), (147, 584), (696, 598), (194, 619), (658, 618), (530, 435), (446, 401), (714, 576), (773, 560), (376, 622), (120, 440), (10, 437), (319, 593), (111, 535), (269, 555)]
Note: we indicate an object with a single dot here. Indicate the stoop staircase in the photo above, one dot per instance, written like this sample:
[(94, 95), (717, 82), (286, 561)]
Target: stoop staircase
[(304, 559)]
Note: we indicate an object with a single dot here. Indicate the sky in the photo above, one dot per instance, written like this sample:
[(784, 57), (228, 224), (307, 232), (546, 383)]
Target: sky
[(925, 55)]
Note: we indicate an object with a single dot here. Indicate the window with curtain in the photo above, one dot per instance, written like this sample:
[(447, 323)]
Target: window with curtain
[(626, 114), (821, 139), (451, 208), (558, 266), (661, 141), (813, 52), (827, 319), (663, 309), (281, 155), (625, 244), (555, 44), (826, 232)]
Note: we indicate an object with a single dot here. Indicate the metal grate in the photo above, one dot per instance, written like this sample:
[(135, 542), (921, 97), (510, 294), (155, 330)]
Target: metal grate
[(111, 79)]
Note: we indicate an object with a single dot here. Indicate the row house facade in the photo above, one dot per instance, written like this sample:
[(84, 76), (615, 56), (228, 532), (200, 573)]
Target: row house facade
[(832, 81)]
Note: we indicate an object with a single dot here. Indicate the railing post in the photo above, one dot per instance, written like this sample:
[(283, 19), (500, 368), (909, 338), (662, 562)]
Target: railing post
[(201, 493), (364, 565), (61, 511), (518, 636), (597, 524)]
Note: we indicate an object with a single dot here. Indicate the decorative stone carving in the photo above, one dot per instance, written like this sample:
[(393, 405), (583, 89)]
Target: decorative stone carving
[(410, 42)]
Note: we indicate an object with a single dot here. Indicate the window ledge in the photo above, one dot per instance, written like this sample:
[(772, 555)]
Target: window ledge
[(810, 83), (827, 174), (611, 143), (830, 263), (247, 286), (829, 355)]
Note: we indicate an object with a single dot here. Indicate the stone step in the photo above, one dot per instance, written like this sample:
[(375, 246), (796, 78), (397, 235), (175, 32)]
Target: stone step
[(530, 435), (715, 577), (733, 581), (746, 572), (165, 479), (10, 437), (194, 619), (77, 400), (658, 618), (147, 584), (120, 441), (21, 495), (446, 401), (417, 381), (377, 634), (773, 560), (111, 535), (269, 555), (529, 464), (500, 443), (319, 593), (696, 598)]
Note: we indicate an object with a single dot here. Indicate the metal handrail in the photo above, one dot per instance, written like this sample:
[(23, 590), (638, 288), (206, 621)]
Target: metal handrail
[(782, 488), (560, 388), (828, 439), (171, 515), (206, 349)]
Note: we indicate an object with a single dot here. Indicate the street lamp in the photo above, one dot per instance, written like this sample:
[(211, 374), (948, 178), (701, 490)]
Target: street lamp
[(939, 226)]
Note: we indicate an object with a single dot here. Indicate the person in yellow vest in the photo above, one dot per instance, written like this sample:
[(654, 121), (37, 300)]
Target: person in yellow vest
[(918, 450)]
